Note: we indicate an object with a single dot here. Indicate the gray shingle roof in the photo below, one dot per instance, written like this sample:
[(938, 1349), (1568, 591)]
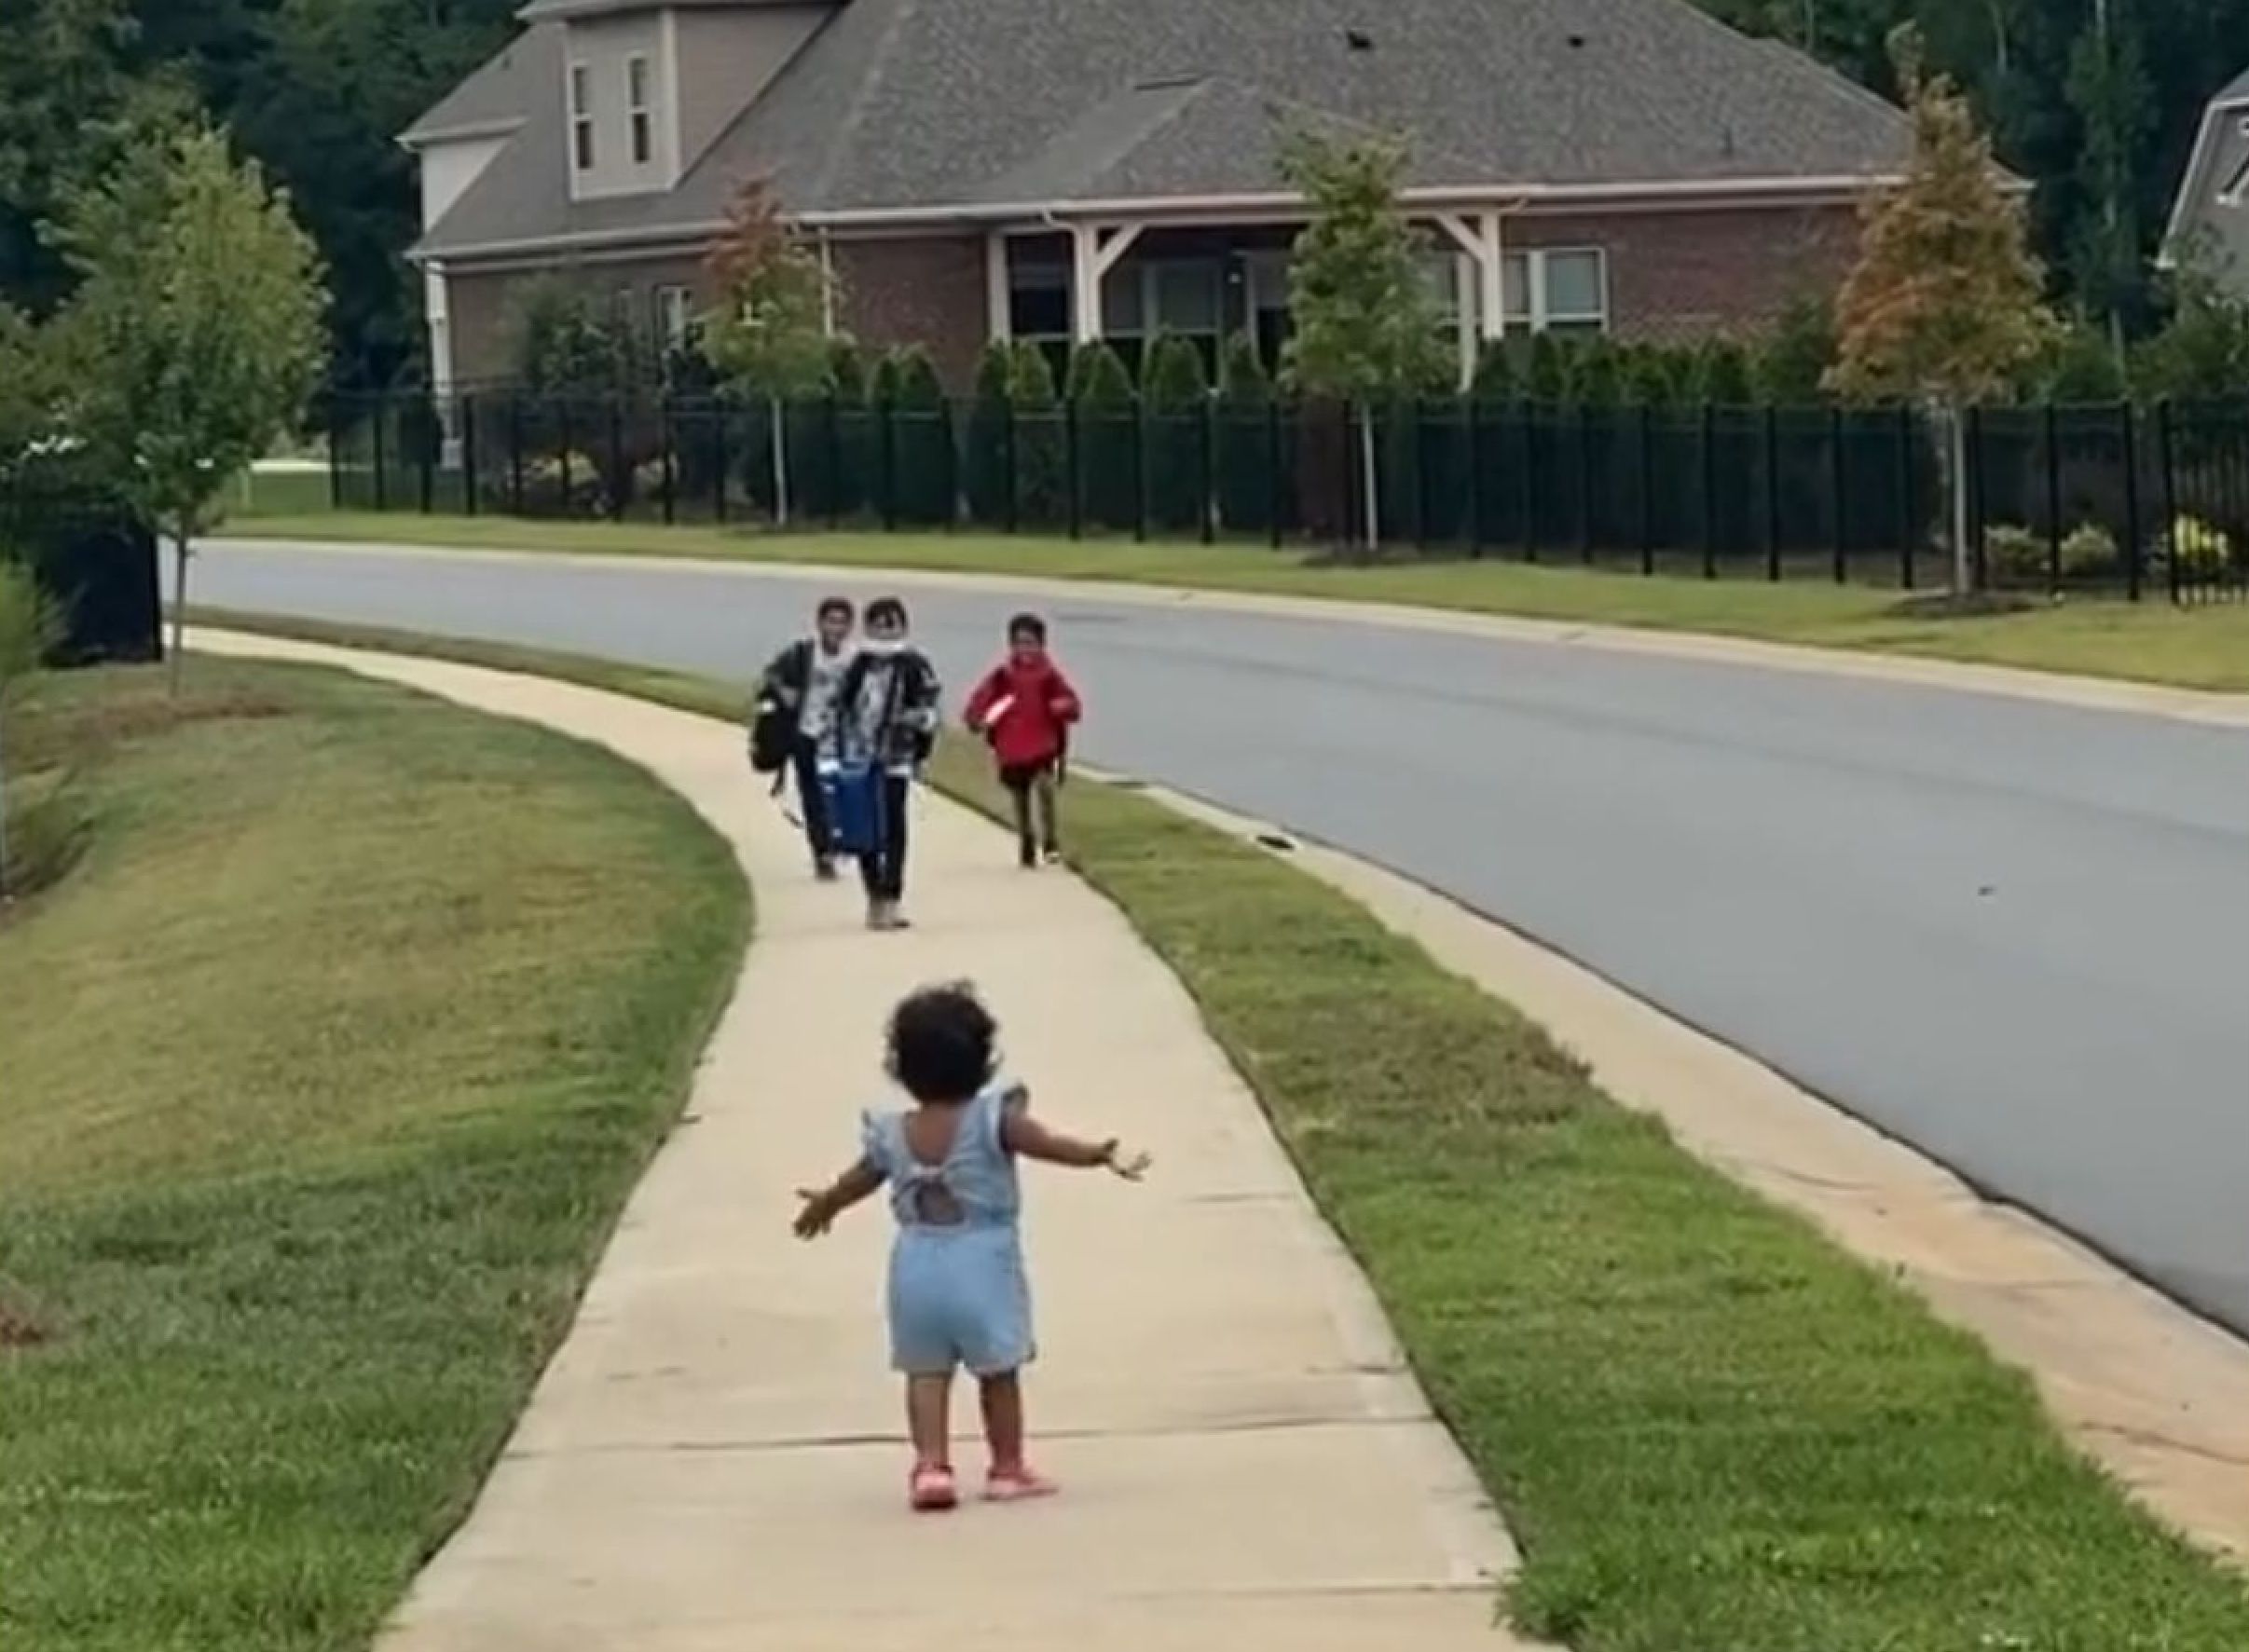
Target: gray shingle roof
[(907, 104)]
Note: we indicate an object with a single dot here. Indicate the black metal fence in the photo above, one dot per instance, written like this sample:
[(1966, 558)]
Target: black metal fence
[(93, 559), (2118, 500)]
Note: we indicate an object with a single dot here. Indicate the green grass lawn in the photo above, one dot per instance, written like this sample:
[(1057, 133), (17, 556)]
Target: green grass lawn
[(323, 1074), (1711, 1429), (2201, 648)]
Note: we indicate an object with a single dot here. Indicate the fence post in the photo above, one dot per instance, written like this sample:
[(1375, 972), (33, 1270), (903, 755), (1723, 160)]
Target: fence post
[(1772, 447), (1907, 516), (1709, 489), (1273, 493), (1210, 467), (1008, 431), (425, 458), (2135, 564), (1530, 481), (382, 481), (2053, 500), (716, 409), (621, 483), (1472, 415), (1839, 491), (1140, 467), (1647, 487), (890, 467), (466, 406), (336, 453), (1585, 484), (2169, 476), (1073, 463), (1972, 482), (834, 431), (516, 453), (562, 412), (666, 432)]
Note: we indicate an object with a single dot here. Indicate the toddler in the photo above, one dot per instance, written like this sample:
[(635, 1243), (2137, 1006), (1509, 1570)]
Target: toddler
[(957, 1296)]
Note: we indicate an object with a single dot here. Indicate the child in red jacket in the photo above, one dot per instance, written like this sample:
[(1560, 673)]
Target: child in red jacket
[(1025, 708)]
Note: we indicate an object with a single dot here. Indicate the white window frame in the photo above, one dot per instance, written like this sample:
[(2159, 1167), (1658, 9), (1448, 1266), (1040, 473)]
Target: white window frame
[(1053, 277), (1538, 315), (675, 316), (583, 157), (2230, 193), (640, 108)]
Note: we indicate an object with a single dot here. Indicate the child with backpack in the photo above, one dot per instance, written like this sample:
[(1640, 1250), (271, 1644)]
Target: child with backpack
[(957, 1296), (880, 733), (1025, 708)]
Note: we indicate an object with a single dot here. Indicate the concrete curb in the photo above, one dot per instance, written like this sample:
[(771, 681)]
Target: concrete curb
[(2157, 1395)]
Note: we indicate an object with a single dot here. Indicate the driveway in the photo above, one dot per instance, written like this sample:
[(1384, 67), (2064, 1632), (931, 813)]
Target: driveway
[(2015, 934)]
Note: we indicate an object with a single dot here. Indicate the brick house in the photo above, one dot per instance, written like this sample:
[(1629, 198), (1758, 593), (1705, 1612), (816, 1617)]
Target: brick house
[(1073, 170)]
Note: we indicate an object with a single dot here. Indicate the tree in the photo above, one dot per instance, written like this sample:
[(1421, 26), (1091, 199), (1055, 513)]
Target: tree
[(1108, 435), (1723, 375), (991, 429), (2109, 89), (1548, 374), (1496, 383), (1792, 364), (1246, 436), (1178, 400), (29, 388), (1943, 304), (769, 334), (923, 457), (1042, 482), (563, 341), (195, 335), (1366, 330), (27, 631)]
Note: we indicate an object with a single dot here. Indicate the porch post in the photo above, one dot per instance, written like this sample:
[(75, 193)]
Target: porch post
[(998, 294), (1093, 256), (1085, 284), (1492, 267)]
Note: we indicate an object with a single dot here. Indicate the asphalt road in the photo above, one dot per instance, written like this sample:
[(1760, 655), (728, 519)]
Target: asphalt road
[(2016, 936)]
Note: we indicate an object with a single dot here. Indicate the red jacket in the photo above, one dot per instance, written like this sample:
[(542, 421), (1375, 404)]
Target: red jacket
[(1035, 705)]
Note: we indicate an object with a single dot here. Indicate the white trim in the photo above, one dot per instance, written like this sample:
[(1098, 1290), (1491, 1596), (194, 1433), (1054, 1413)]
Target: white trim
[(641, 109), (1537, 316), (999, 288), (670, 100), (1111, 251), (2198, 162), (429, 137), (828, 315), (1153, 211), (1495, 275), (1085, 284), (578, 114)]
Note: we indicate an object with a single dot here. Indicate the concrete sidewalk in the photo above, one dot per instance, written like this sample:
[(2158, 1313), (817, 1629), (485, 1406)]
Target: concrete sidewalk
[(715, 1459)]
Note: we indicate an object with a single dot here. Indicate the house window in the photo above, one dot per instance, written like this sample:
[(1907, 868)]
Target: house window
[(637, 102), (1557, 290), (675, 309), (1144, 296), (1038, 298), (582, 117)]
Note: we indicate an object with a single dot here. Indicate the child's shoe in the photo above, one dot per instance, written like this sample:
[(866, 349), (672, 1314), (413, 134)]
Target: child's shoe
[(1019, 1485), (932, 1488)]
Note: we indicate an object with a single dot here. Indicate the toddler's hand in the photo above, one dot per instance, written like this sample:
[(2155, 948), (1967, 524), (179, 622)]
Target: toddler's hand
[(1126, 1166), (816, 1217)]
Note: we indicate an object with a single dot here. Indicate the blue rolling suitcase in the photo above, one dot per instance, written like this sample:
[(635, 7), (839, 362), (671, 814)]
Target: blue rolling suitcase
[(854, 808)]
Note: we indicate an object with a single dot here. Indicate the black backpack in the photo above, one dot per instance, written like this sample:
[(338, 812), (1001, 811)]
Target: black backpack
[(772, 723)]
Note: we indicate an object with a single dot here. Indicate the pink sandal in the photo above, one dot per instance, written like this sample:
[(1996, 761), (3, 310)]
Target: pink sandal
[(932, 1490), (1019, 1485)]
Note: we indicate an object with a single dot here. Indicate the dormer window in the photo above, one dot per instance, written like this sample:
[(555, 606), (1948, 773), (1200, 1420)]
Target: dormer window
[(582, 116), (643, 116)]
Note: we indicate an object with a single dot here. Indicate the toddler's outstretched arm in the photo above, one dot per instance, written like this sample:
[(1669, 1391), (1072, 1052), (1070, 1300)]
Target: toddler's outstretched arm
[(1023, 1134), (822, 1206)]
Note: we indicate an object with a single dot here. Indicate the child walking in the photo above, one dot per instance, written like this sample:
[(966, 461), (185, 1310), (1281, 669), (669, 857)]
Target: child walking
[(1026, 707), (957, 1295)]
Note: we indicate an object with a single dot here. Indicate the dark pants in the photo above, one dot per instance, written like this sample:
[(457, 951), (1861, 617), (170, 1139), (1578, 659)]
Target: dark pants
[(885, 873), (812, 801), (1038, 808)]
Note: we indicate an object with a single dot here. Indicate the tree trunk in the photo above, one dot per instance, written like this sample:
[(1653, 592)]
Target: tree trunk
[(1956, 448), (1371, 471), (4, 861), (179, 607), (781, 463)]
